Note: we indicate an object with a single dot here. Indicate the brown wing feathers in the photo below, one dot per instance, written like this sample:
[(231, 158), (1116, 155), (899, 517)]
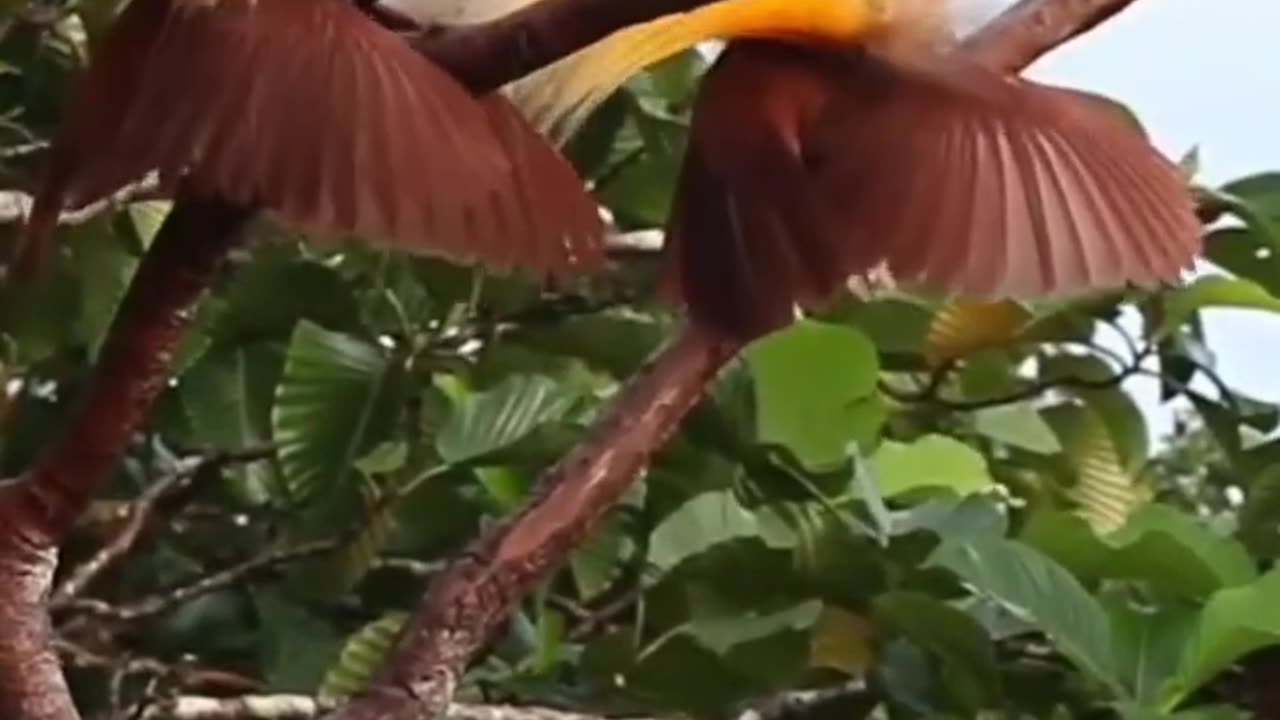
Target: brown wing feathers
[(965, 180), (308, 109)]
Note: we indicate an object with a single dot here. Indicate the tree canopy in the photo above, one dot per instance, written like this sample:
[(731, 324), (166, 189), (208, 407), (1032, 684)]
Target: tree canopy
[(900, 507)]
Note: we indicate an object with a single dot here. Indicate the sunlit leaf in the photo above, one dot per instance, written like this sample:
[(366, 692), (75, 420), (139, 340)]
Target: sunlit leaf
[(963, 327), (812, 382), (931, 461)]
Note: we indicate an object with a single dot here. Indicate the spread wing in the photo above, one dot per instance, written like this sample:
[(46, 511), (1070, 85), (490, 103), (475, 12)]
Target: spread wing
[(807, 166), (992, 186), (308, 109)]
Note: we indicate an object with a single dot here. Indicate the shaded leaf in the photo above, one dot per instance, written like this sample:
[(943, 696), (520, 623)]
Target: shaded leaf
[(842, 641), (1160, 545), (708, 520), (361, 656), (489, 422), (1235, 622), (963, 647), (1106, 494), (335, 396), (1040, 592)]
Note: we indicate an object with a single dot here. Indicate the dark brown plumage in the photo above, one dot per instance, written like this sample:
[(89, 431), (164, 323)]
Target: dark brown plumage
[(809, 164), (308, 109)]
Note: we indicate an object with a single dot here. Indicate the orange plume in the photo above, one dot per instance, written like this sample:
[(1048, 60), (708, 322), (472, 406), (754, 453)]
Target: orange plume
[(309, 109)]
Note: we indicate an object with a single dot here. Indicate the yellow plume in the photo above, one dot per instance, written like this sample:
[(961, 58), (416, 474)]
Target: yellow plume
[(559, 98)]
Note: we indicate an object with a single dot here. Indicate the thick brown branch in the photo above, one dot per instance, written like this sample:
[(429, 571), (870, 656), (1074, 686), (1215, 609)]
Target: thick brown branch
[(132, 367), (1031, 28), (469, 600), (488, 56), (39, 509)]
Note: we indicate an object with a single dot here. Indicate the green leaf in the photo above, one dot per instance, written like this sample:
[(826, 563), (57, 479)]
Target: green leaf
[(965, 650), (227, 395), (1038, 591), (1018, 425), (812, 382), (1105, 492), (298, 645), (931, 461), (1160, 545), (1260, 517), (361, 656), (147, 218), (1148, 643), (256, 307), (1214, 291), (334, 398), (706, 521), (722, 634), (489, 422), (1235, 622), (1123, 419)]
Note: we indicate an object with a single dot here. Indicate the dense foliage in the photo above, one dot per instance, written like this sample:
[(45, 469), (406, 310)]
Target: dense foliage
[(935, 508)]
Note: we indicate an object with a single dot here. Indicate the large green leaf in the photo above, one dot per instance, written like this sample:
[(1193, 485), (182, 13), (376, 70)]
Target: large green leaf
[(962, 646), (1040, 592), (361, 656), (1018, 425), (1235, 622), (336, 396), (931, 461), (1105, 491), (1120, 415), (1160, 545), (492, 421), (1260, 517), (812, 383), (227, 395), (298, 645), (1214, 291), (1148, 644), (706, 521)]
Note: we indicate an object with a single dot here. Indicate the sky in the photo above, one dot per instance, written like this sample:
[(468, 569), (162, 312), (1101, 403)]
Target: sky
[(1197, 72)]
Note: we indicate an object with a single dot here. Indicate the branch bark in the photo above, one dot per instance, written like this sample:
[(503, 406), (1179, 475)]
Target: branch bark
[(39, 508)]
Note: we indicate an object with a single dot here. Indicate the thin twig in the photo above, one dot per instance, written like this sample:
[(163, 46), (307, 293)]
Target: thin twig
[(140, 515), (163, 602)]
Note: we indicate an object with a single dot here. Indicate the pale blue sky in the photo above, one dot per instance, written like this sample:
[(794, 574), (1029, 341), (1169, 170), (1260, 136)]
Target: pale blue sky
[(1197, 72)]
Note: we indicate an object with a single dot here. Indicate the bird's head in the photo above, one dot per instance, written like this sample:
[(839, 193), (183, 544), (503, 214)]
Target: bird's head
[(560, 97)]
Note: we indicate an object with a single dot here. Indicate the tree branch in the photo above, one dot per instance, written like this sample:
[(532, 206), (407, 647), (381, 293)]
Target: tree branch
[(464, 604), (141, 515), (1031, 28), (38, 510), (488, 56)]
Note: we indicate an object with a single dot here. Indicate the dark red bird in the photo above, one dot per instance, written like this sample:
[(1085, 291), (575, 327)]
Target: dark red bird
[(309, 109)]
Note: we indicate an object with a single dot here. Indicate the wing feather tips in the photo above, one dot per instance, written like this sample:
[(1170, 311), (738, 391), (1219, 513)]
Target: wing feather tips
[(1087, 202)]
